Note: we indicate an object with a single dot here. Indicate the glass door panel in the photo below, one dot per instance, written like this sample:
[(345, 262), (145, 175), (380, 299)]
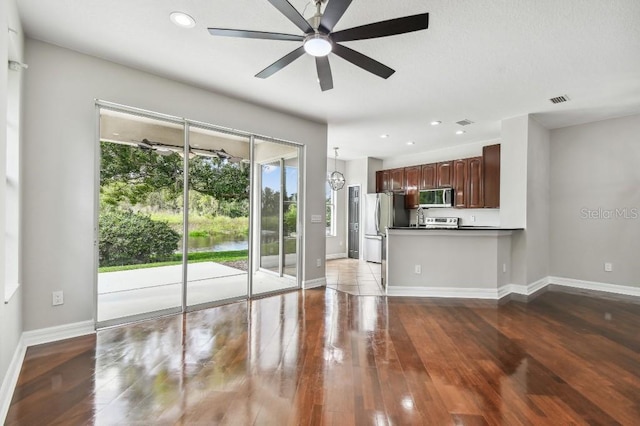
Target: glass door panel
[(277, 183), (270, 206), (290, 234), (218, 221), (140, 217)]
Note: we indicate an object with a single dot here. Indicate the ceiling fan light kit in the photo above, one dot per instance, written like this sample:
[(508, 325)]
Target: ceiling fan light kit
[(317, 45), (319, 40)]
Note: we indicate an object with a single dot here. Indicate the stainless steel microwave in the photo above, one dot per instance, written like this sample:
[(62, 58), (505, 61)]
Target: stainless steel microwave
[(441, 197)]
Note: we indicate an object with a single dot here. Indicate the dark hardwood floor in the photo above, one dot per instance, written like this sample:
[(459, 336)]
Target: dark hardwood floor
[(326, 357)]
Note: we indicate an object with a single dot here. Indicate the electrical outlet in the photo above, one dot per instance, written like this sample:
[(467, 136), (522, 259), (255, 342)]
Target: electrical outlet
[(608, 267), (318, 262), (504, 267), (418, 269), (473, 218), (57, 298)]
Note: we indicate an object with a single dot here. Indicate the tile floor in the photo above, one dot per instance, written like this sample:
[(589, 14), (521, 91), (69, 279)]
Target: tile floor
[(355, 277)]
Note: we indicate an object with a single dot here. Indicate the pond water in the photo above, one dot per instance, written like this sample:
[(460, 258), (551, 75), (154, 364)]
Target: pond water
[(217, 243)]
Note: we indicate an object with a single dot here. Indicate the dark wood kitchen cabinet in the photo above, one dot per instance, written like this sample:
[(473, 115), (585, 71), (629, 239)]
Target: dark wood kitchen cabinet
[(491, 170), (396, 180), (382, 181), (459, 182), (475, 183), (428, 176), (444, 174), (411, 179)]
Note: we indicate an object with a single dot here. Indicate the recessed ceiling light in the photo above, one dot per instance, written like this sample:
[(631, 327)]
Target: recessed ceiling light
[(384, 136), (435, 123), (181, 19), (411, 143), (460, 132)]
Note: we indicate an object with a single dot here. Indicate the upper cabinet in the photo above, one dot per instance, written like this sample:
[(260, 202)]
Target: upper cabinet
[(459, 182), (475, 181), (428, 174), (396, 180), (382, 181), (491, 170), (411, 179), (475, 184), (444, 174)]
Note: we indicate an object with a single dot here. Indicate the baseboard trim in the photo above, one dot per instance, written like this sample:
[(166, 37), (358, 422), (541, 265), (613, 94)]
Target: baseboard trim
[(509, 289), (11, 379), (525, 290), (459, 293), (318, 282), (336, 256), (595, 286), (60, 332)]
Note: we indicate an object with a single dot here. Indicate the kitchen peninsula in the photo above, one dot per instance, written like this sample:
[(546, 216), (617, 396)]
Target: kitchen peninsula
[(463, 262), (460, 261)]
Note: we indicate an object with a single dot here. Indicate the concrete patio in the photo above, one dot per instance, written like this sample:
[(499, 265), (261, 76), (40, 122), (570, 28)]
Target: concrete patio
[(139, 291)]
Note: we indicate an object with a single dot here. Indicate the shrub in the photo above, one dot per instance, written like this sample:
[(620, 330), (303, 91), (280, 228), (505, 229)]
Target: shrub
[(131, 238)]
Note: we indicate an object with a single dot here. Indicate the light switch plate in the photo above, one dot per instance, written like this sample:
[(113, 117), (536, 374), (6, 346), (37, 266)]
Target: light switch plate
[(316, 218)]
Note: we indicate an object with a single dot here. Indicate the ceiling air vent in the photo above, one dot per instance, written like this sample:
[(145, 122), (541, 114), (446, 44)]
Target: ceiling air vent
[(559, 99), (464, 122)]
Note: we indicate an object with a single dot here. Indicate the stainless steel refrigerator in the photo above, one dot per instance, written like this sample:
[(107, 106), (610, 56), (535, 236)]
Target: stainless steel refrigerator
[(382, 211)]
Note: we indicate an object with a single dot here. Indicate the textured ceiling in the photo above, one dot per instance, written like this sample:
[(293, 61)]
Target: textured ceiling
[(479, 60)]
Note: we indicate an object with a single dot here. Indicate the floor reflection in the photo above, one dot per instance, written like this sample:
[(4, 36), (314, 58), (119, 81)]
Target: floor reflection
[(327, 357)]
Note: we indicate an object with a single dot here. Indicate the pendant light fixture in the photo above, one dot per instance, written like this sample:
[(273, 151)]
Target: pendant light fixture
[(336, 180)]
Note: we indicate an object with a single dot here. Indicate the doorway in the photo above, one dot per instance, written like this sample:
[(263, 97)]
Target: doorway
[(354, 222)]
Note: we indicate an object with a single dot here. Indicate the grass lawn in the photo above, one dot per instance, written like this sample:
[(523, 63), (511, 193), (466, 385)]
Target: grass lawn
[(206, 256)]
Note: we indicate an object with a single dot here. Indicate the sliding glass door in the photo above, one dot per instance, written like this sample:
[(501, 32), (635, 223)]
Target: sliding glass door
[(277, 167), (218, 231), (191, 215), (140, 217)]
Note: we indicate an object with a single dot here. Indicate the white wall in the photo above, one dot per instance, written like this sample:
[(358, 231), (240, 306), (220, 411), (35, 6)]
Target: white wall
[(594, 171), (513, 172), (10, 309), (444, 154), (537, 232), (337, 245), (59, 173), (524, 196)]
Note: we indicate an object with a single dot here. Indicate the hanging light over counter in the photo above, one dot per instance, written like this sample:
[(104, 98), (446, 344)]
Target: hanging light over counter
[(336, 180)]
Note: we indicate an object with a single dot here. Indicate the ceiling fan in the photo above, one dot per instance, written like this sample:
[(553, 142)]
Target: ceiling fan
[(319, 39), (164, 149)]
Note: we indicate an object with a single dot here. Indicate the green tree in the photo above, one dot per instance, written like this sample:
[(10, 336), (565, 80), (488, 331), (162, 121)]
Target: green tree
[(132, 174)]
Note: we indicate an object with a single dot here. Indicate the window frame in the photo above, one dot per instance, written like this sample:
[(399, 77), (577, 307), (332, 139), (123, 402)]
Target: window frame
[(330, 202)]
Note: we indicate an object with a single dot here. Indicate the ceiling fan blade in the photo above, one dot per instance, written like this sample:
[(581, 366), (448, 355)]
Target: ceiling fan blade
[(281, 63), (332, 14), (324, 73), (227, 32), (294, 16), (384, 28), (362, 61)]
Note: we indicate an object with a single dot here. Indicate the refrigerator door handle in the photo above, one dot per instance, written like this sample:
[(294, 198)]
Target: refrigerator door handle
[(377, 221)]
